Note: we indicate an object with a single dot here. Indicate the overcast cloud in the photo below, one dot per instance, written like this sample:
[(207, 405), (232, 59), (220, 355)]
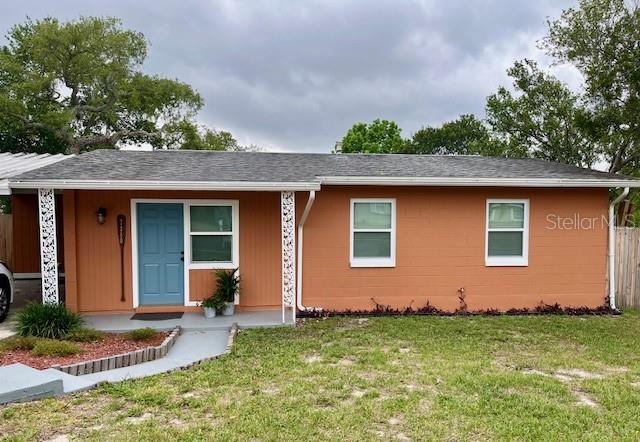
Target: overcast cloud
[(295, 75)]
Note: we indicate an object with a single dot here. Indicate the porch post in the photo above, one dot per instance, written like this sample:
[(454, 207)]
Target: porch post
[(48, 246), (288, 215)]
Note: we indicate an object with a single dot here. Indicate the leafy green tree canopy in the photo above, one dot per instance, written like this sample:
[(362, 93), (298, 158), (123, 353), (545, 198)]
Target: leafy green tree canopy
[(601, 122), (78, 86), (380, 136), (601, 38), (192, 136), (466, 135), (543, 120)]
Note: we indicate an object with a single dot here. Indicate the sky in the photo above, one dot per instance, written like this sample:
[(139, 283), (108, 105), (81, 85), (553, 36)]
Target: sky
[(295, 75)]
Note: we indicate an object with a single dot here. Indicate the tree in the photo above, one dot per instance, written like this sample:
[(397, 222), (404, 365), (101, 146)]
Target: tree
[(544, 120), (465, 136), (601, 39), (187, 135), (601, 122), (380, 136), (77, 86)]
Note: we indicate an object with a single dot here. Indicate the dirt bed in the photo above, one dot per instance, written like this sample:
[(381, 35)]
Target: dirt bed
[(113, 344)]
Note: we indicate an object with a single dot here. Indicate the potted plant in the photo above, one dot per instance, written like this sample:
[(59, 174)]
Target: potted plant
[(210, 306), (228, 285)]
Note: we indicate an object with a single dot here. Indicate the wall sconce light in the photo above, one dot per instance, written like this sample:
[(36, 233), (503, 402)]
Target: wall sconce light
[(101, 213)]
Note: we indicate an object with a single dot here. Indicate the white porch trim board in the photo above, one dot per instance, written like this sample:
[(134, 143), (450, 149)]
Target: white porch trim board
[(288, 215), (48, 246)]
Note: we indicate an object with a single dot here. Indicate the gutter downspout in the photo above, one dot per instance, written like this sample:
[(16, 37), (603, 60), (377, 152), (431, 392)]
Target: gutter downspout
[(303, 218), (612, 247)]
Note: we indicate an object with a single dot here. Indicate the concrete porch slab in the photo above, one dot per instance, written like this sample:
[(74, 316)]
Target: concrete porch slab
[(190, 321)]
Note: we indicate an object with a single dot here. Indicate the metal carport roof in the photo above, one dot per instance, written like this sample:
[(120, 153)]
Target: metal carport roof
[(13, 164)]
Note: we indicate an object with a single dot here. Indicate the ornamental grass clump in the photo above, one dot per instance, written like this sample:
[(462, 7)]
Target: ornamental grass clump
[(86, 335), (52, 321), (141, 334), (17, 343), (52, 347)]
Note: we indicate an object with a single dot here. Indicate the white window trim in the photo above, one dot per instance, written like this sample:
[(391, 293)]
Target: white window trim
[(187, 243), (373, 262), (235, 247), (508, 261)]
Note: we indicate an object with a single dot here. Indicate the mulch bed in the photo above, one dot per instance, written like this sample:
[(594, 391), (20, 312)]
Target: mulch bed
[(113, 344)]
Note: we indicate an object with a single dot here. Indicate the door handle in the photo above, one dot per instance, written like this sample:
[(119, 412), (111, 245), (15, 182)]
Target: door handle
[(182, 256)]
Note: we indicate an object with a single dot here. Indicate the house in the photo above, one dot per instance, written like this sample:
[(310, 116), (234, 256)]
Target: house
[(143, 231)]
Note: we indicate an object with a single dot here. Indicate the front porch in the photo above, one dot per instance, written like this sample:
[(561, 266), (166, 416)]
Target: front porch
[(141, 251), (189, 321)]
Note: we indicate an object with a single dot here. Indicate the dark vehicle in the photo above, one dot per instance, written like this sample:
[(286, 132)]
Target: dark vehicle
[(6, 290)]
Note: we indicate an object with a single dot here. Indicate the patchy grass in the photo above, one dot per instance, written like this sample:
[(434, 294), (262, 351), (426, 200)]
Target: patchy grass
[(395, 378)]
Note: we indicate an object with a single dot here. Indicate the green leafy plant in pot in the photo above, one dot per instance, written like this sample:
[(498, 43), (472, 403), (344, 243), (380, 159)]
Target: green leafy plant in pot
[(211, 305), (228, 285)]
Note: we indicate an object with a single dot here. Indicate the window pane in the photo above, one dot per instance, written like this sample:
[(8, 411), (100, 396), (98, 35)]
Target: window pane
[(505, 243), (211, 218), (211, 248), (504, 215), (372, 245), (372, 215)]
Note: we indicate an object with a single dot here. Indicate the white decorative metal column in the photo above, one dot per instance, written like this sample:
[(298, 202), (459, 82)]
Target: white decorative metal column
[(48, 246), (288, 213)]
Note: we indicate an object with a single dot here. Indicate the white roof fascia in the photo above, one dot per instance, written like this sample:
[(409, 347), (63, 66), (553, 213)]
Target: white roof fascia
[(166, 185), (477, 182)]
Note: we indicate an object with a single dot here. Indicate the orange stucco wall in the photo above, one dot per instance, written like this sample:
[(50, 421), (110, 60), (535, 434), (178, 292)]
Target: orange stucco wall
[(93, 255), (441, 248)]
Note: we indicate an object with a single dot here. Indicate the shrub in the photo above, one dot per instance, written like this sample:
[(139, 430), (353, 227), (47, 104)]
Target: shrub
[(141, 334), (85, 335), (227, 284), (51, 347), (17, 343), (214, 301), (51, 321)]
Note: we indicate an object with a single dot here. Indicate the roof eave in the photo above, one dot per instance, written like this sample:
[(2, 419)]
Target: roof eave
[(476, 182), (164, 185)]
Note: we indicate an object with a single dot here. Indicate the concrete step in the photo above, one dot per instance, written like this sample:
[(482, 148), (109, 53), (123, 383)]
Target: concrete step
[(23, 383)]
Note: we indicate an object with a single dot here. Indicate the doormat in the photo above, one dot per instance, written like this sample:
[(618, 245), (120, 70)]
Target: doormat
[(157, 316)]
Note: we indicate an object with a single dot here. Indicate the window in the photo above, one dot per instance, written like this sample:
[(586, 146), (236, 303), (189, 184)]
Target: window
[(507, 241), (373, 236), (213, 238)]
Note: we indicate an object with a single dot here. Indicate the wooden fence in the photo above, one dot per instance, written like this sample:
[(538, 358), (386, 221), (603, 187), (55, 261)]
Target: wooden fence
[(6, 242), (627, 267)]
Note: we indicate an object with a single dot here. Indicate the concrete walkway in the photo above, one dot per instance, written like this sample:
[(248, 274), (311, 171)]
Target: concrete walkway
[(7, 328), (190, 348)]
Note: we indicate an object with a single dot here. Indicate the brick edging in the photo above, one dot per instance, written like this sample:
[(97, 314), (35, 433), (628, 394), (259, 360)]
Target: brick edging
[(122, 360)]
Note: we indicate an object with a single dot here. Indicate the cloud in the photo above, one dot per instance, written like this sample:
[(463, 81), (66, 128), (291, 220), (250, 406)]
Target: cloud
[(296, 75)]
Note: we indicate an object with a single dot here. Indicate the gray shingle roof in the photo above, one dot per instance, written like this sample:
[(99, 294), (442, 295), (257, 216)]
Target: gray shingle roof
[(207, 166)]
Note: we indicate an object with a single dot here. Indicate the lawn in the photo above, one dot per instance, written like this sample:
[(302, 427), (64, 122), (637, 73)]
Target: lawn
[(395, 378)]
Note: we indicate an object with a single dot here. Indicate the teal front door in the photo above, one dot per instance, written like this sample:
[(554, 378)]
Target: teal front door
[(160, 254)]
